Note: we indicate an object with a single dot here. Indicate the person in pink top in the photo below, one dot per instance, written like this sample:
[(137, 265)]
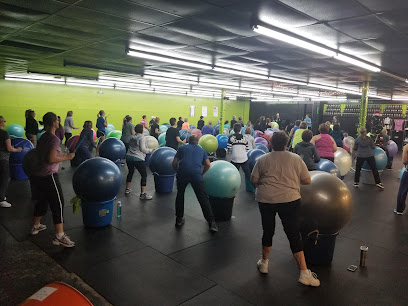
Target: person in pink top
[(144, 122), (324, 143), (186, 125)]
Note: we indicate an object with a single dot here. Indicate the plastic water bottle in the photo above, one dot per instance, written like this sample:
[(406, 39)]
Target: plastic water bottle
[(119, 209)]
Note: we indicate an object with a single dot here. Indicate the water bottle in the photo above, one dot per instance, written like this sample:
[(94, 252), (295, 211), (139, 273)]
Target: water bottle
[(119, 209)]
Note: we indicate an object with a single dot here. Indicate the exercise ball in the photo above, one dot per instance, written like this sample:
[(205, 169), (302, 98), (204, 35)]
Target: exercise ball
[(262, 141), (96, 180), (151, 142), (41, 131), (348, 143), (15, 130), (161, 161), (112, 149), (197, 133), (275, 125), (109, 128), (275, 129), (163, 128), (71, 143), (343, 161), (216, 129), (222, 141), (268, 133), (402, 172), (328, 166), (253, 156), (18, 142), (184, 134), (262, 147), (162, 139), (166, 124), (115, 134), (209, 143), (326, 204), (222, 180), (146, 132), (392, 148), (258, 133), (381, 159), (192, 127), (93, 134)]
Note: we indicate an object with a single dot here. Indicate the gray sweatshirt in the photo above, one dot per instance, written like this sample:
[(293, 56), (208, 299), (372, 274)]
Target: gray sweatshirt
[(138, 147), (308, 153), (364, 147)]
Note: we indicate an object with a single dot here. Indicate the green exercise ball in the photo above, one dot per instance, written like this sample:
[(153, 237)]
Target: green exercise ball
[(115, 134), (222, 180), (275, 125), (209, 143), (162, 139)]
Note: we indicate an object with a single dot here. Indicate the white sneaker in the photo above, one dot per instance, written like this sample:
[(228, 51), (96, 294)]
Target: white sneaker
[(64, 241), (309, 278), (397, 212), (35, 230), (145, 196), (5, 204), (262, 266), (128, 190)]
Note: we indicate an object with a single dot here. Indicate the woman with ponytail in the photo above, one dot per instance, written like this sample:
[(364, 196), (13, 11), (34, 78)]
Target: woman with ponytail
[(101, 124), (128, 129)]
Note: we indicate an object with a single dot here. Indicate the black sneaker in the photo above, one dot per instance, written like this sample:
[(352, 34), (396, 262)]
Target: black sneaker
[(180, 221), (380, 185), (213, 227)]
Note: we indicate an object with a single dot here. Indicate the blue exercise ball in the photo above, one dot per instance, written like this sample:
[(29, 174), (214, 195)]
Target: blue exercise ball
[(222, 141), (184, 134), (161, 161), (15, 130), (112, 149), (262, 147), (18, 142), (222, 180), (328, 166), (381, 159), (253, 156), (96, 180), (192, 127)]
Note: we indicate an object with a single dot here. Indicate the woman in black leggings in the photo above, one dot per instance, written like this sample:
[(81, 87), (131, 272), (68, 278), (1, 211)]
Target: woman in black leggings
[(135, 158)]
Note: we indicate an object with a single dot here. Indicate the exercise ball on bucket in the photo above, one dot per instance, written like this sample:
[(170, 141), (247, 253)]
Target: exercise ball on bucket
[(112, 149), (253, 156), (16, 158), (161, 164), (328, 166), (348, 143), (222, 181), (15, 130), (262, 147), (163, 128), (209, 143), (381, 159), (71, 143), (151, 142), (184, 134), (115, 134), (162, 139), (326, 207), (96, 182), (262, 140), (197, 133), (222, 141), (343, 161), (392, 148), (109, 128)]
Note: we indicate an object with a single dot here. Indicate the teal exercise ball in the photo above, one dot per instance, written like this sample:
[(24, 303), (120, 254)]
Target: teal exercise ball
[(222, 180), (163, 128), (109, 128), (15, 130), (381, 159), (162, 139)]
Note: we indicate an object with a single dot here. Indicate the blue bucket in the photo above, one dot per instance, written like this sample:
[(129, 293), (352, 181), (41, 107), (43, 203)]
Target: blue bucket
[(147, 159), (97, 214), (163, 183), (248, 186), (17, 173)]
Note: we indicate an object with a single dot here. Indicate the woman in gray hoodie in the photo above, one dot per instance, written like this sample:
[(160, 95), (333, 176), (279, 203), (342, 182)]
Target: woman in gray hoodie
[(307, 151)]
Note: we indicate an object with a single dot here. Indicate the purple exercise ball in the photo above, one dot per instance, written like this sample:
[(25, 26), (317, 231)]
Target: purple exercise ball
[(262, 140), (392, 148)]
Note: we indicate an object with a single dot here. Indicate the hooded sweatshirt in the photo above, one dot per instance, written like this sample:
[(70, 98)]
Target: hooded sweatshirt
[(308, 153)]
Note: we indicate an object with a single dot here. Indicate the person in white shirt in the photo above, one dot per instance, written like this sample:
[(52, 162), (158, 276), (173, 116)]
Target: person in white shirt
[(250, 139), (238, 146)]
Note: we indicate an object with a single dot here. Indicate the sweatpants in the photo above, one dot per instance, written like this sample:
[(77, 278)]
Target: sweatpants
[(245, 168), (4, 177), (67, 136), (371, 162), (141, 167), (402, 192), (47, 192), (288, 213), (199, 190)]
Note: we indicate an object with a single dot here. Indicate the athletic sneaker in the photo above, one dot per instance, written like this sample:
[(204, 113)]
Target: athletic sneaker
[(39, 228), (5, 204), (128, 190), (380, 185), (397, 212), (64, 241), (309, 278), (145, 196), (262, 266), (213, 227), (180, 221), (355, 185)]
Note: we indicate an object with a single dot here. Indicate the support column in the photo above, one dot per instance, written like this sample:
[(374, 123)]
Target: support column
[(223, 93), (363, 106)]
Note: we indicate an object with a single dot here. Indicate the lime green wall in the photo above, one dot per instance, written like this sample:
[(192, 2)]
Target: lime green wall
[(16, 97)]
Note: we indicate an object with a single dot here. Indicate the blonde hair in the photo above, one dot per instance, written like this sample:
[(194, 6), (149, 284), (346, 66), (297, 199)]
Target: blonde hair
[(363, 132), (248, 130)]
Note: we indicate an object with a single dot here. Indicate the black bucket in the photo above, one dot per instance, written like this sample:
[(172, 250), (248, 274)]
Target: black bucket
[(319, 248), (222, 208)]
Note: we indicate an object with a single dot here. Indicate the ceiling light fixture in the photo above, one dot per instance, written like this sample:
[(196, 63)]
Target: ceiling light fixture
[(240, 73), (21, 79), (159, 78), (347, 59)]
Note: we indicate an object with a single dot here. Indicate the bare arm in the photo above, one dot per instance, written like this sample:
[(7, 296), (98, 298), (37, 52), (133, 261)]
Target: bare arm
[(175, 163), (405, 155), (207, 165), (179, 140), (306, 181), (254, 180), (313, 141), (10, 148), (291, 133), (54, 158)]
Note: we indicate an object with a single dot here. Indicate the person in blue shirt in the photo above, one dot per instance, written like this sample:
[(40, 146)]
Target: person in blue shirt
[(101, 124), (187, 163), (207, 129), (85, 145), (308, 122)]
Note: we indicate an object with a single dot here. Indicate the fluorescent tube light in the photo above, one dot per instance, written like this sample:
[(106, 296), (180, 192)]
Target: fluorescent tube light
[(400, 99), (287, 81), (218, 82), (240, 73), (168, 60), (19, 79), (294, 41), (358, 63), (159, 78), (136, 89), (72, 83)]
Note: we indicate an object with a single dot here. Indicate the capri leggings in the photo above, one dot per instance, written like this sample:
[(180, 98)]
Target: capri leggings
[(288, 213), (141, 167)]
